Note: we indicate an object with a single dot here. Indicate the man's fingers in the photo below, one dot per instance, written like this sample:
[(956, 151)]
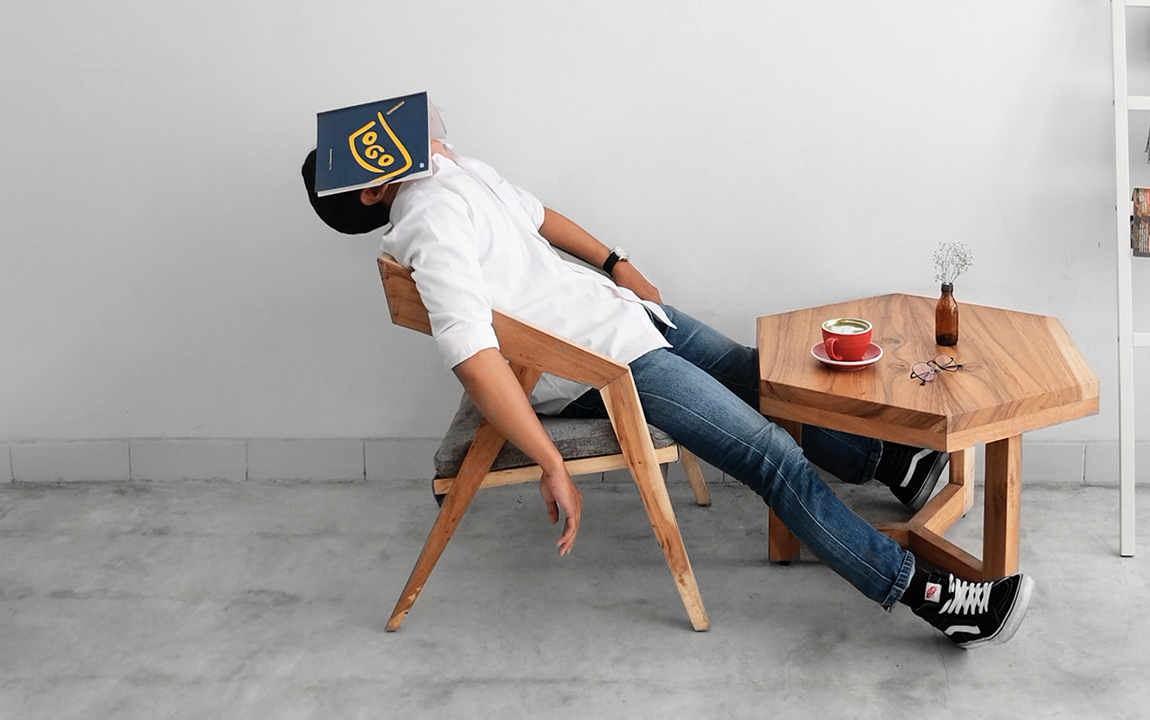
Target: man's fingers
[(560, 492), (567, 539), (574, 512)]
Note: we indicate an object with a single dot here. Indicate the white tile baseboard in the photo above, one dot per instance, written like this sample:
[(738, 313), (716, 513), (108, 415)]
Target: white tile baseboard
[(388, 459), (317, 460), (78, 460), (198, 459), (1053, 463), (1102, 463)]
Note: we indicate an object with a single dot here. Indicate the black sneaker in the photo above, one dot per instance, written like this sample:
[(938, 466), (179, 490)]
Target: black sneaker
[(972, 613), (911, 473)]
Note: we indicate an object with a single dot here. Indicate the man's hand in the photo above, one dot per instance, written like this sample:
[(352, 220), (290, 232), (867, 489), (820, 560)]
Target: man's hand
[(625, 275), (495, 390), (559, 491)]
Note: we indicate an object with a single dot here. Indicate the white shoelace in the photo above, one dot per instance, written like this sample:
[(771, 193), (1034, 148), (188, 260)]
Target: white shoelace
[(967, 598)]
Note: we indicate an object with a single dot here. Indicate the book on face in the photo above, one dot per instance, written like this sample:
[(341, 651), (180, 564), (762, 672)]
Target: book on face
[(375, 143)]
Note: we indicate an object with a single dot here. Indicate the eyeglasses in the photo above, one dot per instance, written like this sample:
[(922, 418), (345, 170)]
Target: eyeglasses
[(924, 372)]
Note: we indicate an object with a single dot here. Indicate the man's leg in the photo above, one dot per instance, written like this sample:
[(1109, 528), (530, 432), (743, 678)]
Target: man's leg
[(740, 440), (721, 428)]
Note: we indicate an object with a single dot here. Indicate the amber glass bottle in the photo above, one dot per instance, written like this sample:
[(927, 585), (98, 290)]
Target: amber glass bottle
[(946, 317)]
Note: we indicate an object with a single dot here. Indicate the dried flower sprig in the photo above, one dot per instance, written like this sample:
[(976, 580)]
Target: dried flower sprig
[(952, 260)]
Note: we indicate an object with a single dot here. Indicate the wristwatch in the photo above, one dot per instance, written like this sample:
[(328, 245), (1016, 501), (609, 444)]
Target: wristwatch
[(617, 254)]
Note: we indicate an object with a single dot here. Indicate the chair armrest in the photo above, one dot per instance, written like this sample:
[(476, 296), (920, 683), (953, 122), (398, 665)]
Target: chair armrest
[(531, 346), (519, 341)]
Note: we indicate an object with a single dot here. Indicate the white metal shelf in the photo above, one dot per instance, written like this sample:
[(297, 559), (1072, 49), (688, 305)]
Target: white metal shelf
[(1127, 338)]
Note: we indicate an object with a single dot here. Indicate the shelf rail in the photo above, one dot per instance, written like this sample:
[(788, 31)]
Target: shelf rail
[(1127, 338)]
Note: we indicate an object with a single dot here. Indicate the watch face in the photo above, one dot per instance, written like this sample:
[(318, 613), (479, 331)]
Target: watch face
[(621, 253)]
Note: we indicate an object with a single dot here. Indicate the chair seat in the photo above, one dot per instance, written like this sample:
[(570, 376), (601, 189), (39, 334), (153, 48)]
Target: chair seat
[(575, 439)]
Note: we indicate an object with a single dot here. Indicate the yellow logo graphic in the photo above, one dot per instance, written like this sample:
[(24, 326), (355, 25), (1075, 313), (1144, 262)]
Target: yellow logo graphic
[(370, 152)]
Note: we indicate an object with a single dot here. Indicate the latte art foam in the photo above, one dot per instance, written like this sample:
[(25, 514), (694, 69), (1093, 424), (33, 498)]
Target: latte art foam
[(846, 326)]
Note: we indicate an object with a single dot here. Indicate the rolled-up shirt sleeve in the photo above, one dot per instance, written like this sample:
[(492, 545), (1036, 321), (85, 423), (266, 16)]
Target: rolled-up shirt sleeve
[(437, 240), (531, 206)]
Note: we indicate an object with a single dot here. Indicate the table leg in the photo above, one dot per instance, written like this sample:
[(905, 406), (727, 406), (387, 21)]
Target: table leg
[(782, 545), (953, 501), (1003, 503), (962, 473)]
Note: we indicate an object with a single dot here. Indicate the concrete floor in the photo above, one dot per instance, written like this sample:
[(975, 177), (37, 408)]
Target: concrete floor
[(262, 600)]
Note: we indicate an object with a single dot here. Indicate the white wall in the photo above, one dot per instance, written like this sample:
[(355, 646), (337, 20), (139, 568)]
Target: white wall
[(162, 276)]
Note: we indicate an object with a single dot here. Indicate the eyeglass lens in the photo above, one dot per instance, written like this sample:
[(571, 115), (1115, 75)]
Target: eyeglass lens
[(923, 372), (945, 362)]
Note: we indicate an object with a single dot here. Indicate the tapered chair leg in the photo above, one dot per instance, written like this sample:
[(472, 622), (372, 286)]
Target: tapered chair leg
[(653, 492), (695, 476), (622, 402), (484, 448)]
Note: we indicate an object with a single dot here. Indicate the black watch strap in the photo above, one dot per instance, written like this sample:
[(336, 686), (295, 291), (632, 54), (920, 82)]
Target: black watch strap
[(612, 259)]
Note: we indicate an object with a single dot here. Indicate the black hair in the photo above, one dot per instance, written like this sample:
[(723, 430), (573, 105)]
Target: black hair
[(343, 211)]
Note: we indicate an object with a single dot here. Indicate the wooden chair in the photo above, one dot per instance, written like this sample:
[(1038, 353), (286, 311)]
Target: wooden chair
[(531, 351)]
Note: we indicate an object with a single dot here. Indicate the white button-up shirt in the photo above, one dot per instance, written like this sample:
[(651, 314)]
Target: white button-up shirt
[(472, 241)]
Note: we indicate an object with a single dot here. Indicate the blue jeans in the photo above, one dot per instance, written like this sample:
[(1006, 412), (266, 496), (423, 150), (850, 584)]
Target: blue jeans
[(703, 391)]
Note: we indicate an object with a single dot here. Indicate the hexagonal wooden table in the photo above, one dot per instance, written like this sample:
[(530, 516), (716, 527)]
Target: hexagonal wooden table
[(1019, 372)]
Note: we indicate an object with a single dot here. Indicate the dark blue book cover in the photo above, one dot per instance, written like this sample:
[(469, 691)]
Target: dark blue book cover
[(374, 143)]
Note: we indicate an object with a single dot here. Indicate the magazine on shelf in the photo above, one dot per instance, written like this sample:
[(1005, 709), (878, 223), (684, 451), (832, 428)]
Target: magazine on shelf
[(1140, 222), (375, 143)]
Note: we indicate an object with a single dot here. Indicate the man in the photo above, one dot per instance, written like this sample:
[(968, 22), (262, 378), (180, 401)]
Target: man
[(475, 243)]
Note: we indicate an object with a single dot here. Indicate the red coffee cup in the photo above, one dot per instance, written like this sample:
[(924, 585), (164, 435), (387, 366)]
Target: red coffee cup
[(846, 339)]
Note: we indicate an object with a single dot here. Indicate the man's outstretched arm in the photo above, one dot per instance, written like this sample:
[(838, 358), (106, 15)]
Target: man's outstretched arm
[(493, 388), (569, 237)]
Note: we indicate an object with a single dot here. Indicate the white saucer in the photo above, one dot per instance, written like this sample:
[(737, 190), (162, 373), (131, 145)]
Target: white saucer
[(872, 354)]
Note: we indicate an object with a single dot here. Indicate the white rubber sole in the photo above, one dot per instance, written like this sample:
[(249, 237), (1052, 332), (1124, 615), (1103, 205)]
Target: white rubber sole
[(1013, 618)]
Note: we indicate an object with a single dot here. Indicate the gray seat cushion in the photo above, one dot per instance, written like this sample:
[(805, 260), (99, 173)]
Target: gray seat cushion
[(574, 438)]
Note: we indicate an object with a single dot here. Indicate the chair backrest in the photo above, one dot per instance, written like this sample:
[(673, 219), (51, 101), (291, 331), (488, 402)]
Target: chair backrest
[(407, 309)]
